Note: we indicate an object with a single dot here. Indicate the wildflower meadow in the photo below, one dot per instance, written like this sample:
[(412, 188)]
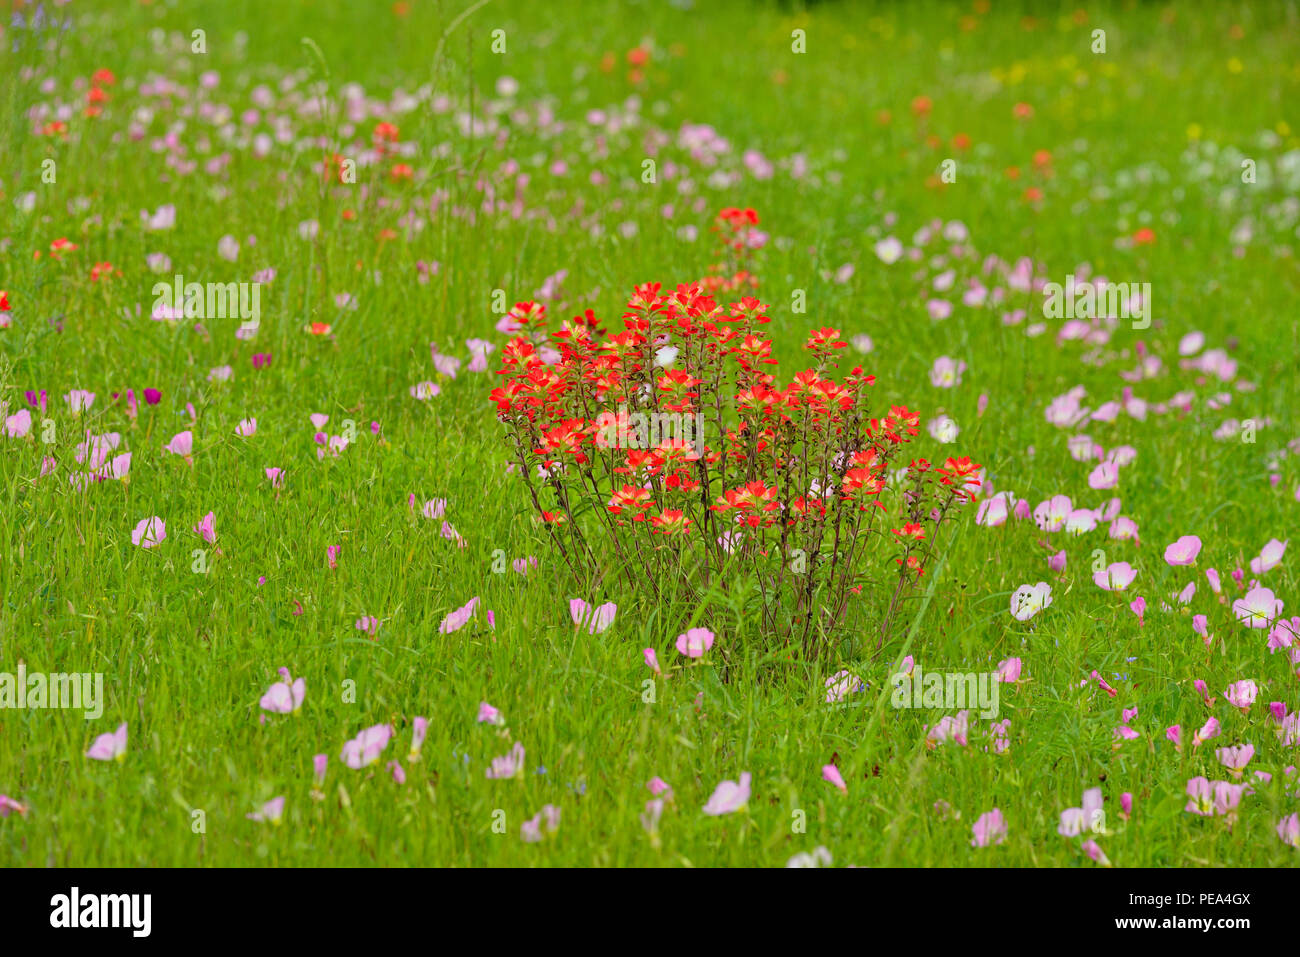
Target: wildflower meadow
[(649, 434)]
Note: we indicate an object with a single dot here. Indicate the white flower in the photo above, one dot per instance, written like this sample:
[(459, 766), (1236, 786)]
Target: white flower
[(889, 250), (1029, 600), (943, 429)]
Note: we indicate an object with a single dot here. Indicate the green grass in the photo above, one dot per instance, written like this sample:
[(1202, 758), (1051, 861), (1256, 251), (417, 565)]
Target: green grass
[(1140, 136)]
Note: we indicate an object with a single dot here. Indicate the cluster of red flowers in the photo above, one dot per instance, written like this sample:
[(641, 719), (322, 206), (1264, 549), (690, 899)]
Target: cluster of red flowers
[(738, 236), (673, 437)]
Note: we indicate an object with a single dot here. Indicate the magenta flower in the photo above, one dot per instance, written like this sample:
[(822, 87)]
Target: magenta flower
[(449, 532), (1000, 731), (1288, 830), (989, 828), (1094, 851), (247, 428), (488, 714), (1269, 557), (1227, 797), (596, 619), (992, 512), (651, 660), (19, 424), (1081, 521), (531, 830), (286, 696), (816, 858), (729, 796), (270, 812), (118, 467), (946, 372), (1200, 796), (1124, 733), (1090, 817), (1284, 635), (1207, 731), (832, 774), (207, 528), (1259, 608), (332, 555), (457, 619), (276, 476), (1204, 691), (508, 765), (149, 532), (1008, 671), (419, 728), (1139, 607), (1124, 529), (109, 747), (695, 642), (8, 805), (659, 787), (1103, 685), (79, 400), (182, 444), (478, 350), (1115, 577), (447, 365), (840, 684), (1241, 694), (1104, 476), (369, 624), (954, 728), (1183, 551), (1236, 757), (366, 747), (654, 809)]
